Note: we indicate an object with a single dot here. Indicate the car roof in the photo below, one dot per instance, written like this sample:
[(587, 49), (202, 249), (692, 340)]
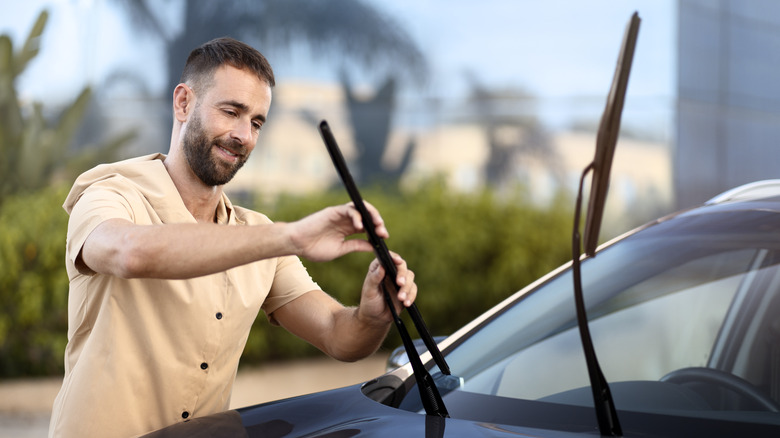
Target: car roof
[(749, 192)]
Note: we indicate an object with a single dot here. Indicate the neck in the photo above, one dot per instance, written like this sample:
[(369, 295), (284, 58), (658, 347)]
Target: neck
[(201, 200)]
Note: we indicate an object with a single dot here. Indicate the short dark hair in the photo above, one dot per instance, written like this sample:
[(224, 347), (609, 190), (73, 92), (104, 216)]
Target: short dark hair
[(204, 60)]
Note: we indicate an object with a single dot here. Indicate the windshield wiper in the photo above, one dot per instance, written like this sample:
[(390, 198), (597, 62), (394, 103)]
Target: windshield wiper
[(429, 393), (606, 414)]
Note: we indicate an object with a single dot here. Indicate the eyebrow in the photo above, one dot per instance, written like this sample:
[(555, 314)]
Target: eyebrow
[(242, 107)]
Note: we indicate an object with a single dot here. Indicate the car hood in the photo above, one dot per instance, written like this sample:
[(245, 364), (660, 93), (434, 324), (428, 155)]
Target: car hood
[(339, 413)]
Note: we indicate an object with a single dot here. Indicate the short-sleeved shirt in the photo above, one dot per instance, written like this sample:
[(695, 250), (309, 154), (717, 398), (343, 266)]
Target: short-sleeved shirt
[(146, 353)]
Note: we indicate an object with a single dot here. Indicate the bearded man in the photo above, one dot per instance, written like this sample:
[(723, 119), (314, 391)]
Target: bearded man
[(167, 275)]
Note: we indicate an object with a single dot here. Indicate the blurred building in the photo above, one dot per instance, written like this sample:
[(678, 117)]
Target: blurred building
[(728, 96), (725, 112), (291, 157)]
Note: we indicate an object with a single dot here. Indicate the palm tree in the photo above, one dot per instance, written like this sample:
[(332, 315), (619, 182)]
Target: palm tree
[(341, 32), (349, 29), (35, 149), (513, 132)]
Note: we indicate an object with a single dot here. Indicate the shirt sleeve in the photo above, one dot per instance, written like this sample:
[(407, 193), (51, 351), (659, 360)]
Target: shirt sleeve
[(98, 203), (290, 282)]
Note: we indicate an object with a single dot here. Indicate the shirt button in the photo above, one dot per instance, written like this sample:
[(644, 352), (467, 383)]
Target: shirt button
[(219, 315), (204, 366), (185, 415)]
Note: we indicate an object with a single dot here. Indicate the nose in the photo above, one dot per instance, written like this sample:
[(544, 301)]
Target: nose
[(242, 132)]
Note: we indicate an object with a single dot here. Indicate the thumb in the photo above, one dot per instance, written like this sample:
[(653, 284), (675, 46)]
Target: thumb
[(375, 272), (356, 245)]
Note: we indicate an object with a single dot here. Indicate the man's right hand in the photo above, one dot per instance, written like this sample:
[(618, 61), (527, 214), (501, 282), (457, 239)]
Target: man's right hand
[(322, 236)]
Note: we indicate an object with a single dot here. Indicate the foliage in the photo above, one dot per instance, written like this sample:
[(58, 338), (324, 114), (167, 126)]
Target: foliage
[(35, 149), (33, 283), (468, 251)]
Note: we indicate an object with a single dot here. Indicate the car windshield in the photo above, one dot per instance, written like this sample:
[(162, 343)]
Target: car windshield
[(675, 311)]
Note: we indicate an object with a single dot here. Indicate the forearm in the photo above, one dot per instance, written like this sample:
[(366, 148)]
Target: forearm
[(340, 332), (356, 337), (175, 251)]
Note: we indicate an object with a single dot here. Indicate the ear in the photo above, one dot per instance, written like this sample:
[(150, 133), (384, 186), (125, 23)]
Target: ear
[(183, 102)]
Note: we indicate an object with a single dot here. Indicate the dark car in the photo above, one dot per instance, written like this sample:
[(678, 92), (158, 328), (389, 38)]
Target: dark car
[(685, 318)]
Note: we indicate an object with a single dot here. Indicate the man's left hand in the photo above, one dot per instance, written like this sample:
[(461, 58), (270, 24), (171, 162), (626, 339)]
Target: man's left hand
[(372, 300)]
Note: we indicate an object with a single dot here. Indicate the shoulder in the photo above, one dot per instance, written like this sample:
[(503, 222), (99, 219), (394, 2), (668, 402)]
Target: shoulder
[(144, 175)]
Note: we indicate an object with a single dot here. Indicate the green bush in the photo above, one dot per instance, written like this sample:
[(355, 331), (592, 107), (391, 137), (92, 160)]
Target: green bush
[(33, 283), (468, 252)]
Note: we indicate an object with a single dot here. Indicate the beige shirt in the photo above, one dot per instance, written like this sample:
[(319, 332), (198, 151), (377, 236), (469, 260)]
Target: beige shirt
[(146, 353)]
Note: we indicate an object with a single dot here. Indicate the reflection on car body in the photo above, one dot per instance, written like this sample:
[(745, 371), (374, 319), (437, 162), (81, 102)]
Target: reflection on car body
[(684, 317)]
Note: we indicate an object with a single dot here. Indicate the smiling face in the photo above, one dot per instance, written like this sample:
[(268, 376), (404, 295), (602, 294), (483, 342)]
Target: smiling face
[(224, 126), (198, 147)]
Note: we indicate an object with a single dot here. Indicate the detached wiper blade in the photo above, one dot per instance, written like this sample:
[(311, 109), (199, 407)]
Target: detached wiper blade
[(606, 413), (429, 393)]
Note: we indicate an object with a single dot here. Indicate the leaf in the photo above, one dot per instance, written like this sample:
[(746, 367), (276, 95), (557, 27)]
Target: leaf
[(32, 44), (6, 56), (33, 148)]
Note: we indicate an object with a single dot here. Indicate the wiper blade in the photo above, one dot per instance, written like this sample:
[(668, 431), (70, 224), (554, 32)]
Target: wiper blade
[(606, 414), (429, 393)]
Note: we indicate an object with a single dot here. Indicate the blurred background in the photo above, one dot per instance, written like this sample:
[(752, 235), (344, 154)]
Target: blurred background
[(467, 123)]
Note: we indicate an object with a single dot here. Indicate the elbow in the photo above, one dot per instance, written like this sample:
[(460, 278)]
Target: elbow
[(132, 264), (113, 248), (347, 356), (352, 354), (133, 259)]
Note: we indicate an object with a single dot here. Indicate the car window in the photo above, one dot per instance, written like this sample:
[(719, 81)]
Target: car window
[(674, 327)]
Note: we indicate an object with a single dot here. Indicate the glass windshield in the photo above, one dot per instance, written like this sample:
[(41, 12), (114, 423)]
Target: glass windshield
[(688, 295)]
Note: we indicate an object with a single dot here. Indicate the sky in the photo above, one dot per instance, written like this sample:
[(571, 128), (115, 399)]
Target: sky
[(554, 47), (558, 50)]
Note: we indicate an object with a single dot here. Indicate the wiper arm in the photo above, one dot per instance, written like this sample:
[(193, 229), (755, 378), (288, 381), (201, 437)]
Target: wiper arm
[(429, 393), (606, 414)]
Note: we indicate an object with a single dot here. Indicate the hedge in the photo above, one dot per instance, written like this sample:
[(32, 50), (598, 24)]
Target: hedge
[(33, 283), (468, 251)]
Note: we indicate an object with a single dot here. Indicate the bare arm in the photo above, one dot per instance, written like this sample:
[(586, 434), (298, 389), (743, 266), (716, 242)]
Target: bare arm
[(348, 333), (120, 248)]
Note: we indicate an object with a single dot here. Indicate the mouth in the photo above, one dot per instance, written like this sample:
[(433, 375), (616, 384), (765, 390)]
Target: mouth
[(227, 153)]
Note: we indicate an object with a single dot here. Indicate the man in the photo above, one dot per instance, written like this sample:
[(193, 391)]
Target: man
[(167, 276)]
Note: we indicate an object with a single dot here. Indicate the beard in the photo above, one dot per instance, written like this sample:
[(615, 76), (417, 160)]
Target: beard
[(198, 151)]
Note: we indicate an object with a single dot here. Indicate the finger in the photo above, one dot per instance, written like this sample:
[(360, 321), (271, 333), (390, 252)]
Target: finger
[(408, 292), (356, 245), (354, 215), (411, 295), (397, 258), (407, 289), (374, 266), (401, 268), (379, 223), (376, 273)]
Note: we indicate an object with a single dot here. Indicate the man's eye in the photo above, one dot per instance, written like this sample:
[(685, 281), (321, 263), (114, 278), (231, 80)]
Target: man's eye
[(231, 113), (257, 126)]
